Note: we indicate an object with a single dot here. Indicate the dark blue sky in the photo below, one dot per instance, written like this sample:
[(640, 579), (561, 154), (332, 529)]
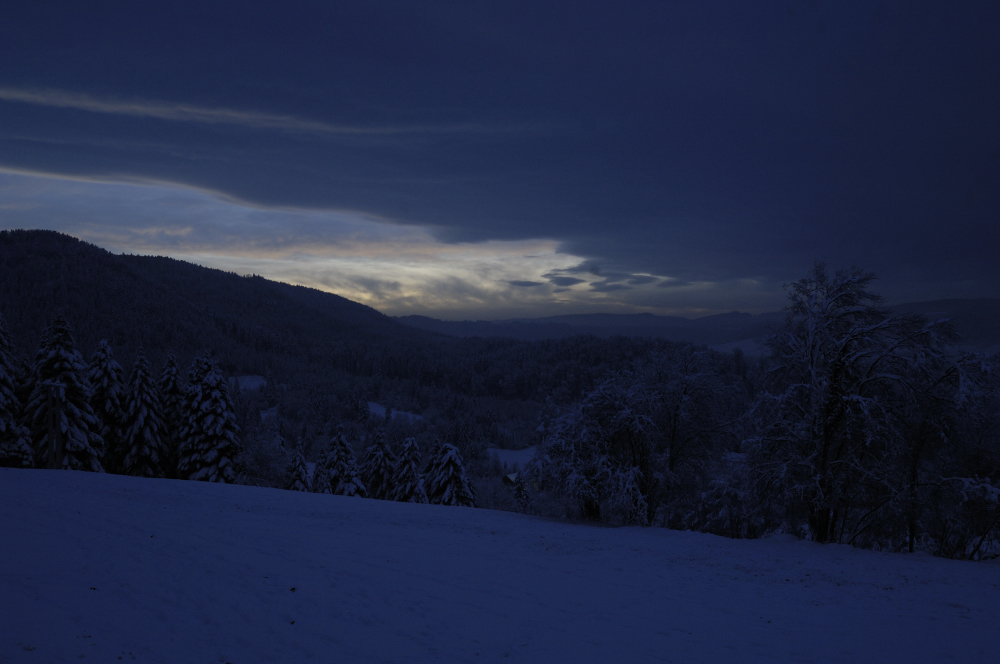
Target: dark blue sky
[(658, 145)]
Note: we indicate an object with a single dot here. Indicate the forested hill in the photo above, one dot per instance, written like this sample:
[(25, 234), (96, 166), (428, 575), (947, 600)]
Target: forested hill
[(162, 304), (256, 326)]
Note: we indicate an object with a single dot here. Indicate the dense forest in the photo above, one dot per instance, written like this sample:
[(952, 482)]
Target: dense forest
[(859, 425)]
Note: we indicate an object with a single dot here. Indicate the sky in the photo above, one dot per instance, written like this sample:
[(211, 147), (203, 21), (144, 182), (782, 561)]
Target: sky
[(495, 160)]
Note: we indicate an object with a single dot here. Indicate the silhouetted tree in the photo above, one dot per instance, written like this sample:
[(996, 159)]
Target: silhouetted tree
[(106, 399), (171, 390), (60, 381), (447, 483), (15, 439), (378, 468), (208, 439), (143, 445), (298, 473), (407, 482)]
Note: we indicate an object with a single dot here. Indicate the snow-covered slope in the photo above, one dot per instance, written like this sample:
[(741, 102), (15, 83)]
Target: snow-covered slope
[(101, 567)]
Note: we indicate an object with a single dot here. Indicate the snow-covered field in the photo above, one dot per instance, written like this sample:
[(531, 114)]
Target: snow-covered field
[(107, 568), (513, 459)]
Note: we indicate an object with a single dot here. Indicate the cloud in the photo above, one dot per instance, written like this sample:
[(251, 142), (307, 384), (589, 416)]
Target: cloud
[(608, 287), (564, 281), (673, 283), (588, 267), (642, 279), (526, 284), (178, 112)]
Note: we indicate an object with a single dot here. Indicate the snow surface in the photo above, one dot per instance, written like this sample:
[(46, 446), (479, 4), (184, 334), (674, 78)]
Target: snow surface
[(248, 383), (98, 567), (514, 459), (378, 410)]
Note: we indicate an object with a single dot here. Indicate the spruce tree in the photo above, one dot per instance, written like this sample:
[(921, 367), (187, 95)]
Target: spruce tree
[(322, 481), (61, 379), (298, 473), (208, 444), (142, 435), (15, 440), (407, 482), (378, 468), (447, 483), (106, 399), (345, 480), (171, 389)]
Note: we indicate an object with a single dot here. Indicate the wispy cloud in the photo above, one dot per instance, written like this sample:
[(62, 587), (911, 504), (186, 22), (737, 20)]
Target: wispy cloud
[(226, 116)]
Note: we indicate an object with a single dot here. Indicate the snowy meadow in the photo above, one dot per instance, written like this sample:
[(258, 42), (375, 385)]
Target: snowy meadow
[(102, 567)]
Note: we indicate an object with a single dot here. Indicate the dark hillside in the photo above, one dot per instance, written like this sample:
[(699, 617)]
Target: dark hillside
[(164, 305)]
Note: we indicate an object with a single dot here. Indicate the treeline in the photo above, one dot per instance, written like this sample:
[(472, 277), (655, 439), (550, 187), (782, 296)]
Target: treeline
[(61, 412), (858, 427)]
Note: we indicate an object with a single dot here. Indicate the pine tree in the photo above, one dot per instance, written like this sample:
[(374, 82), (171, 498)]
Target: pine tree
[(15, 440), (298, 473), (447, 483), (378, 468), (61, 379), (106, 399), (407, 482), (208, 440), (171, 390), (343, 469), (142, 437), (322, 482)]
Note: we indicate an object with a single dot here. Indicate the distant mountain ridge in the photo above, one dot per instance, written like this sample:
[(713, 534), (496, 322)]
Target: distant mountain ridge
[(717, 330), (976, 320)]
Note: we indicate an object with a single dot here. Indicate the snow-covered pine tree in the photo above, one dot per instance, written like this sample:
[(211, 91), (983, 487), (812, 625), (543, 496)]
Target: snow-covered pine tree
[(342, 467), (322, 481), (142, 436), (298, 473), (378, 468), (447, 483), (61, 378), (208, 440), (106, 399), (171, 390), (407, 482), (15, 441)]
